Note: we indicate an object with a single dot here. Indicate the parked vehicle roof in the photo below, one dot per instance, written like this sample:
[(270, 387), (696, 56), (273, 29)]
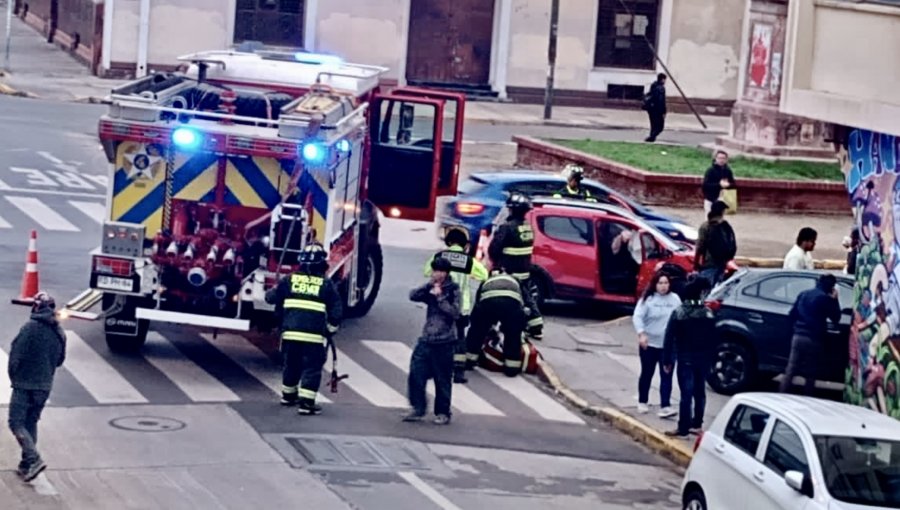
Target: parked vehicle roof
[(827, 418)]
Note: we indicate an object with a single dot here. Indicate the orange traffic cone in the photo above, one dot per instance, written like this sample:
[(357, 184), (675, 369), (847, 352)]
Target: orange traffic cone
[(30, 278)]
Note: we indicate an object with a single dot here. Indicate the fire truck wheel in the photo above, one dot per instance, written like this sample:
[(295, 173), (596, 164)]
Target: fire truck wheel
[(121, 336), (369, 282), (122, 344)]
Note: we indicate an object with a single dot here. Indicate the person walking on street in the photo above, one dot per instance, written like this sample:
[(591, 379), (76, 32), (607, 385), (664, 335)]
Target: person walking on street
[(463, 268), (511, 248), (655, 105), (799, 257), (36, 352), (716, 245), (809, 314), (717, 177), (574, 175), (432, 357), (311, 310), (651, 316), (690, 340)]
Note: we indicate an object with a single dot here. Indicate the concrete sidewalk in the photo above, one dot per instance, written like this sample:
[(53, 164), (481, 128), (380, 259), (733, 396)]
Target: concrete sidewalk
[(596, 367)]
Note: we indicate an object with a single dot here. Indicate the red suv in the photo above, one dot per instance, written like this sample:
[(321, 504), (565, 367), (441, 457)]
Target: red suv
[(574, 256)]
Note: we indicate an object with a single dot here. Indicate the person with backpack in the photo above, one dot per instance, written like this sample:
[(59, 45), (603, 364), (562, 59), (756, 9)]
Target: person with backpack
[(655, 105), (716, 245)]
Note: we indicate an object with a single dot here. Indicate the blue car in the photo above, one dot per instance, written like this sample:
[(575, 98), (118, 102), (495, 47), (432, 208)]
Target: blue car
[(483, 194)]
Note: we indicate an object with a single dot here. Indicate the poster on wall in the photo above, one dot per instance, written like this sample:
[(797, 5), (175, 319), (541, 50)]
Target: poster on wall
[(760, 55), (871, 162)]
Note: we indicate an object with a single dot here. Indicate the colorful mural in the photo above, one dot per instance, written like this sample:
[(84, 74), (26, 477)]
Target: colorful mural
[(870, 165)]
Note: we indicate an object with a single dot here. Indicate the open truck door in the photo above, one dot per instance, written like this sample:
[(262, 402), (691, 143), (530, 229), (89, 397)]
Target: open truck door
[(416, 142)]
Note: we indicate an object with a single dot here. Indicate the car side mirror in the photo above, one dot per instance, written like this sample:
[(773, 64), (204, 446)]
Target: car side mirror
[(799, 482)]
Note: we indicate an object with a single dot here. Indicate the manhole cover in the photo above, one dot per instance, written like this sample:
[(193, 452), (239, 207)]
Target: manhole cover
[(355, 453), (147, 424)]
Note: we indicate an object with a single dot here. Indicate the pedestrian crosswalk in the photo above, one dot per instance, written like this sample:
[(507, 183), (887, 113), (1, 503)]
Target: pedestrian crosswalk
[(53, 214), (227, 368)]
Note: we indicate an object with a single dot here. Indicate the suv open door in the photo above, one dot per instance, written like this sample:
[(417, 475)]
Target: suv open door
[(408, 170)]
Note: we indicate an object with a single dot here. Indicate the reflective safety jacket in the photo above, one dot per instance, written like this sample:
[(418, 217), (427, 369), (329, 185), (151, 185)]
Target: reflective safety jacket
[(502, 285), (463, 267), (578, 193), (310, 304), (511, 248)]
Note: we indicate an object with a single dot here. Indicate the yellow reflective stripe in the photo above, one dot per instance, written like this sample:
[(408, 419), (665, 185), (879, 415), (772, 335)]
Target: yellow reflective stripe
[(501, 293), (537, 321), (332, 328), (513, 363), (492, 359), (471, 357), (521, 276), (300, 336), (459, 358), (526, 350), (288, 390), (525, 250), (505, 278), (304, 304), (310, 394)]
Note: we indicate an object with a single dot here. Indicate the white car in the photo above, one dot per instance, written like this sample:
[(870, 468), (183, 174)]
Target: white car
[(773, 451)]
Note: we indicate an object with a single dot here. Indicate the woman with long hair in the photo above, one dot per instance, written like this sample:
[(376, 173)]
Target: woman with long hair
[(651, 316)]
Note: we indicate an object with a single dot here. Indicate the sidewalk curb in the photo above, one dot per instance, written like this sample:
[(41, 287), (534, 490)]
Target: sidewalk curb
[(669, 448), (583, 125), (6, 90)]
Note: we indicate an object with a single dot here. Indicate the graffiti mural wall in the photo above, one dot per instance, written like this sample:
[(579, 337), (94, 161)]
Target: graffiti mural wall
[(871, 163)]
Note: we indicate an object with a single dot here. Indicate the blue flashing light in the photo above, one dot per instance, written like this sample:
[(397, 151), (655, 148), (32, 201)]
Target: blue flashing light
[(314, 153), (186, 138), (343, 145), (318, 58)]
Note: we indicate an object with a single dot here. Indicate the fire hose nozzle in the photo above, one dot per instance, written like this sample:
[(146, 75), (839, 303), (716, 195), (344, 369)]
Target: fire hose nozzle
[(189, 252), (213, 253), (229, 256), (221, 291), (172, 249)]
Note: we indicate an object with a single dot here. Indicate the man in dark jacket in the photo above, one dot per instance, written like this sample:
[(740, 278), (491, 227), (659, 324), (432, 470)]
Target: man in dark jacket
[(690, 339), (432, 357), (655, 104), (717, 177), (716, 245), (809, 314), (36, 352)]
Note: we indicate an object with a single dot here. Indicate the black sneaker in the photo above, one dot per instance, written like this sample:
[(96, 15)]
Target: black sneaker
[(677, 433), (442, 419), (414, 416), (460, 378), (289, 400), (309, 408), (34, 470)]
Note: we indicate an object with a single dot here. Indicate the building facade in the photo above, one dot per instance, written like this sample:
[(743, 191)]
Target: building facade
[(829, 78), (490, 47)]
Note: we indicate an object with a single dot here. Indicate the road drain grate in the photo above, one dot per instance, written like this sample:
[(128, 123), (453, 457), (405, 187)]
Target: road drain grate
[(357, 453)]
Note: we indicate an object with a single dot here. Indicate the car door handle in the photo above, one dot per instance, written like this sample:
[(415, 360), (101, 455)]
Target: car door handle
[(720, 448), (755, 317), (759, 476)]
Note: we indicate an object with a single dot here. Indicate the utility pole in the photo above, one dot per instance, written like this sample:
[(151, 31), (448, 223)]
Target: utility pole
[(9, 14), (551, 59)]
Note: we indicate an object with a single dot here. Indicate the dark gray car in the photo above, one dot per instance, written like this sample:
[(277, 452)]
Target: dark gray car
[(755, 332)]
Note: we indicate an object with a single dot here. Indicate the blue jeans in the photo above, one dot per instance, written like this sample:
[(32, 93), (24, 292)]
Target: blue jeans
[(25, 409), (650, 358), (692, 382), (714, 274), (431, 361)]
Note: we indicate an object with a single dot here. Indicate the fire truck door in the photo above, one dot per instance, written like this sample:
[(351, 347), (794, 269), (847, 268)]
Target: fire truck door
[(452, 137), (404, 167)]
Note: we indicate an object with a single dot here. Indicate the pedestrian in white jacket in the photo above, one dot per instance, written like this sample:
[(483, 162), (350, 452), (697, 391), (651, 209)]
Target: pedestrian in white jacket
[(651, 315)]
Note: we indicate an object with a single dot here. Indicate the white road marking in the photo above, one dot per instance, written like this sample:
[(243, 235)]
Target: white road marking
[(4, 186), (4, 223), (97, 376), (67, 194), (369, 387), (531, 396), (93, 210), (195, 382), (42, 214), (42, 485), (428, 491), (252, 359), (5, 389), (50, 157), (464, 399), (35, 177)]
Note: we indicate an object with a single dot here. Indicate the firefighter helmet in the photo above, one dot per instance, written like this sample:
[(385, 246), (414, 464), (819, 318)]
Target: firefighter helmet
[(573, 171), (518, 203), (43, 301), (313, 259)]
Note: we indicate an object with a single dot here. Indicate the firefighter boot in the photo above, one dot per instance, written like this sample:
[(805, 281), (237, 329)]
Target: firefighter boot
[(309, 407), (459, 375)]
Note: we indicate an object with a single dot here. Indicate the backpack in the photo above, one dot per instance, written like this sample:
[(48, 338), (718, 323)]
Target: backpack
[(720, 242)]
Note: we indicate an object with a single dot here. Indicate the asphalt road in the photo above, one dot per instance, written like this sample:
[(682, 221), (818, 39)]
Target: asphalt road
[(193, 410)]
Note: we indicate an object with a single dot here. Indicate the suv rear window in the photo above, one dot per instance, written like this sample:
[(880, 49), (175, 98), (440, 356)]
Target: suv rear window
[(571, 230), (471, 186), (745, 428)]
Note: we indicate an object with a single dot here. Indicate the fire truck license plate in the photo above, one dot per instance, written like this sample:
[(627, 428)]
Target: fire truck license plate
[(109, 282)]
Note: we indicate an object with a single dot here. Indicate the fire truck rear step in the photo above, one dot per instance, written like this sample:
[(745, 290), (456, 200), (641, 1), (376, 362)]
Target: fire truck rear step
[(192, 319)]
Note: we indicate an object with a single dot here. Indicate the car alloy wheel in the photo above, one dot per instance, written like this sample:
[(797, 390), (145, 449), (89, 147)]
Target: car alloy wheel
[(731, 368), (695, 500)]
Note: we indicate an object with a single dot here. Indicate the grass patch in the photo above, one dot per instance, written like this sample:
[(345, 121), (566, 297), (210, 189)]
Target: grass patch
[(672, 159)]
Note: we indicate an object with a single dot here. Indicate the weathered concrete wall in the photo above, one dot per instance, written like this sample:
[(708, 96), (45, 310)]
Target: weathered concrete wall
[(371, 32), (529, 36), (705, 48)]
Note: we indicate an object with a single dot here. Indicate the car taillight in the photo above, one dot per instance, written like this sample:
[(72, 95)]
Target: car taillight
[(714, 304), (469, 209), (697, 442)]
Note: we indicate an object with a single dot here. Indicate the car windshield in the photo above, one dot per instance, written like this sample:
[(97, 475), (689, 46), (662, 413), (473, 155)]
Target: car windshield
[(861, 471), (471, 186)]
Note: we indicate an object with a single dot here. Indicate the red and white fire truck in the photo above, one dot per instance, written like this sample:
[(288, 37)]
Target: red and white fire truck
[(220, 174)]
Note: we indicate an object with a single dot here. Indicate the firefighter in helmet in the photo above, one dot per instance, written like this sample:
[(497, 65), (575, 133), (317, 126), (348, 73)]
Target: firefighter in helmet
[(311, 312), (463, 268), (501, 298), (511, 248), (574, 175)]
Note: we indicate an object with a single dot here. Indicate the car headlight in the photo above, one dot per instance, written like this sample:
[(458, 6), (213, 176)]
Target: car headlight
[(690, 233)]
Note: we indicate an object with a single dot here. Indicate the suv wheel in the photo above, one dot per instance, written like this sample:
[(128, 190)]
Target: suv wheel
[(694, 500), (733, 368)]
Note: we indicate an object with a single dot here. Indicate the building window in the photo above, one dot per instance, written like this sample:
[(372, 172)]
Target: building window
[(621, 27), (271, 22)]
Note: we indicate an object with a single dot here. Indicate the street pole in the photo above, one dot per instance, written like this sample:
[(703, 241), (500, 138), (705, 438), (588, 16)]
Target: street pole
[(9, 13), (551, 59)]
